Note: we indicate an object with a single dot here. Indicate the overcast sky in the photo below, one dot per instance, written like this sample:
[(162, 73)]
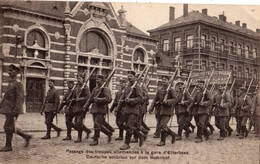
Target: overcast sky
[(147, 15)]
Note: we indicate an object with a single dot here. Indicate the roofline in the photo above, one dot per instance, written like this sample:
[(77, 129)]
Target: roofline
[(201, 21), (33, 13), (142, 36)]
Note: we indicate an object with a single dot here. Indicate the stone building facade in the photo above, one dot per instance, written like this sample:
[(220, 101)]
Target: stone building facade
[(204, 43)]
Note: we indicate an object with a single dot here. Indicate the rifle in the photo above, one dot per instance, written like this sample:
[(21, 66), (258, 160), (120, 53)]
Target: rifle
[(136, 82), (212, 88), (145, 74), (206, 86), (105, 84), (244, 99), (82, 87), (232, 86), (224, 92), (169, 86), (182, 99)]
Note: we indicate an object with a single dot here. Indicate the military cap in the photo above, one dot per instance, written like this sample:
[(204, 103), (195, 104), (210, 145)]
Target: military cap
[(242, 88), (52, 80), (201, 81), (70, 82), (82, 75), (12, 66), (131, 72), (99, 76), (166, 77)]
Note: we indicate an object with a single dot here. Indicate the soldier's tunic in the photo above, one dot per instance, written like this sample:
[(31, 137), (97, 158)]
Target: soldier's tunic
[(256, 112), (202, 112), (12, 104), (221, 113), (242, 114), (82, 94), (99, 110), (182, 111), (51, 105)]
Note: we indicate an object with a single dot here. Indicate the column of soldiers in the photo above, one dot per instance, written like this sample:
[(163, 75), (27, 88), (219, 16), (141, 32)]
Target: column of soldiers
[(130, 106)]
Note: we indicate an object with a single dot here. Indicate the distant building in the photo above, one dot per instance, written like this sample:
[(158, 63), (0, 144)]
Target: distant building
[(58, 40), (204, 43)]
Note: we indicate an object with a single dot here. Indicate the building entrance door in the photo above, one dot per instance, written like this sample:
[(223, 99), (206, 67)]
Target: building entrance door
[(35, 91)]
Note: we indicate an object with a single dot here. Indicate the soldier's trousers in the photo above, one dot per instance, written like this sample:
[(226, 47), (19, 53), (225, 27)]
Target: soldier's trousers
[(99, 121), (49, 116), (257, 124), (183, 122), (130, 126), (241, 123), (220, 123), (120, 120), (69, 122), (201, 122)]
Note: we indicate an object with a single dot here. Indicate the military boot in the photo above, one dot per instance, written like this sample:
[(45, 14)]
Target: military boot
[(163, 138), (79, 139), (26, 137), (57, 129), (8, 142), (221, 136), (48, 133), (121, 131), (179, 134), (68, 137), (127, 142), (87, 130), (172, 134), (107, 132)]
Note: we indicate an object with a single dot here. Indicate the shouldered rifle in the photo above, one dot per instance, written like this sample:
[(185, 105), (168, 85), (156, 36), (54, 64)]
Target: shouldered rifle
[(170, 85), (136, 82), (212, 88), (206, 86), (186, 88), (105, 84), (224, 92), (145, 74), (244, 99), (232, 85)]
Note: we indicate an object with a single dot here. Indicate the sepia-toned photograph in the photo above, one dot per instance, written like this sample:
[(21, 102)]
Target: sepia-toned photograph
[(129, 82)]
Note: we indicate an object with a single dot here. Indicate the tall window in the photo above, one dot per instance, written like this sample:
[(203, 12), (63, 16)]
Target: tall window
[(189, 64), (255, 74), (239, 72), (246, 51), (239, 49), (231, 67), (93, 40), (222, 42), (222, 66), (166, 45), (213, 44), (177, 44), (189, 41), (231, 47), (203, 40), (213, 65), (254, 53), (247, 73), (203, 66)]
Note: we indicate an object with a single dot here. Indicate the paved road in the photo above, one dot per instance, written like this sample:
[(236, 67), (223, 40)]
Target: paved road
[(229, 151)]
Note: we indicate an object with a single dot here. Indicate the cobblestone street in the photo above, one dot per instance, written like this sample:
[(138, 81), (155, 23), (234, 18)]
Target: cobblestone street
[(230, 150)]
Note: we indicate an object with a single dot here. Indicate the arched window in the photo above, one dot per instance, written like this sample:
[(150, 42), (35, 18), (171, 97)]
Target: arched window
[(139, 59), (36, 43), (93, 41)]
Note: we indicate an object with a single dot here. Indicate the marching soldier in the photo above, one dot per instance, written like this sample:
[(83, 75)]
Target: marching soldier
[(183, 100), (242, 107), (11, 106), (202, 104), (81, 95), (119, 113), (252, 116), (100, 98), (165, 110), (256, 111), (221, 103), (69, 115), (50, 109), (130, 101)]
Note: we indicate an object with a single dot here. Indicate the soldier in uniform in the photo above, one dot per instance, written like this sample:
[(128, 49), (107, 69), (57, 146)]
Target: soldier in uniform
[(202, 104), (221, 103), (256, 112), (119, 113), (183, 100), (166, 110), (69, 115), (100, 98), (50, 109), (251, 116), (11, 106), (81, 95), (131, 99), (242, 108)]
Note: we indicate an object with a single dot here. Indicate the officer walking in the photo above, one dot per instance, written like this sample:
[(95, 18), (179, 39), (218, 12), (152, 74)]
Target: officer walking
[(50, 109), (11, 106)]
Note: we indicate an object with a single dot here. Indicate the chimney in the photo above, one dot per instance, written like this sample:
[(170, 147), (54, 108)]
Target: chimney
[(238, 23), (244, 25), (122, 16), (172, 13), (258, 30), (205, 11), (223, 18), (185, 10)]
